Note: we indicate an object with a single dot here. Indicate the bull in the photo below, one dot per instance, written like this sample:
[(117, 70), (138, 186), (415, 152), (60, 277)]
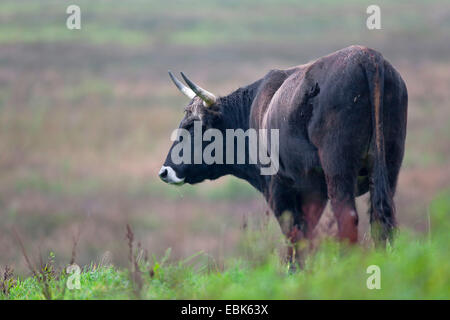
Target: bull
[(342, 128)]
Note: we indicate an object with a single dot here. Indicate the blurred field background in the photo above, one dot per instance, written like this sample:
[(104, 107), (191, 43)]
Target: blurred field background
[(86, 115)]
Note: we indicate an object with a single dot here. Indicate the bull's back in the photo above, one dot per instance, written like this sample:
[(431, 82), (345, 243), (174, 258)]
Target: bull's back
[(285, 103)]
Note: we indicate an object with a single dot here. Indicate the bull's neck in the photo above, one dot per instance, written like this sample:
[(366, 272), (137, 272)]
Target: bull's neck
[(236, 106), (236, 115)]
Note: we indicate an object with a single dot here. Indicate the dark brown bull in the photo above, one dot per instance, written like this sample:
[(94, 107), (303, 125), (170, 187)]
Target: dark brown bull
[(342, 128)]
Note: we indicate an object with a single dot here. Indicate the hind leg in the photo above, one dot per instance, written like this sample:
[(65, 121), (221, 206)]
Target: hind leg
[(342, 135), (343, 206), (340, 174)]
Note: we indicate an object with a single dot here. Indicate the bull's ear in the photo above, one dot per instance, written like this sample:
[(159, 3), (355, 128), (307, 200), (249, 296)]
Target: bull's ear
[(208, 98), (185, 90)]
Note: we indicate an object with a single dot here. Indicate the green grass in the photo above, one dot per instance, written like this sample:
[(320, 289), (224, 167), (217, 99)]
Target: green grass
[(417, 267)]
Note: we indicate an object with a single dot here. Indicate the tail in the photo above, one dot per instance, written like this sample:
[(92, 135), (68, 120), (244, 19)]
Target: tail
[(382, 209)]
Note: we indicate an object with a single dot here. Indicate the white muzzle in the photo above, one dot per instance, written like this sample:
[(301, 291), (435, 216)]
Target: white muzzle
[(167, 174)]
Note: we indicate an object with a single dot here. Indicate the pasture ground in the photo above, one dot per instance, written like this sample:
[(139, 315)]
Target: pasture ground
[(415, 268)]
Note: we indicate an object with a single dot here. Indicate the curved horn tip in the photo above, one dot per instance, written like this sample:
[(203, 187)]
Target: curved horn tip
[(207, 97), (185, 90)]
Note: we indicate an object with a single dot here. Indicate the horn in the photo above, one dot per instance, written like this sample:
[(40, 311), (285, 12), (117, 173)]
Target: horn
[(207, 97), (185, 90)]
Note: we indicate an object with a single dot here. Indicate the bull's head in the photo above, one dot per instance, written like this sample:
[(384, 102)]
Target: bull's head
[(203, 112)]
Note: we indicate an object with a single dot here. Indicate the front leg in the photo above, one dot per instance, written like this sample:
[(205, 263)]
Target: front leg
[(285, 204), (298, 213)]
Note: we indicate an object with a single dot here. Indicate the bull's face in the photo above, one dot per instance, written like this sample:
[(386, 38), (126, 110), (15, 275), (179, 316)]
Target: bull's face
[(201, 114)]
